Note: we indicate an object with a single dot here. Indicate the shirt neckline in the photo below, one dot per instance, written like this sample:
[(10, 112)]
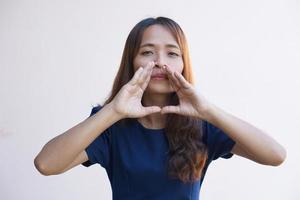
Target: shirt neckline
[(148, 129)]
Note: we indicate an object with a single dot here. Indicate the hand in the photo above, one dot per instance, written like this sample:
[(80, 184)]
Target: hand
[(190, 103), (128, 100)]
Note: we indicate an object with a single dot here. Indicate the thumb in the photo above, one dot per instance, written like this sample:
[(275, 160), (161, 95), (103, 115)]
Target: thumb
[(151, 109), (170, 109)]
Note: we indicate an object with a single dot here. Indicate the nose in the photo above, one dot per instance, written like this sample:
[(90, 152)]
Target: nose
[(159, 62)]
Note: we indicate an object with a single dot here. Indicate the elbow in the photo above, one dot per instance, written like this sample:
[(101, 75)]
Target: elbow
[(41, 167), (280, 157)]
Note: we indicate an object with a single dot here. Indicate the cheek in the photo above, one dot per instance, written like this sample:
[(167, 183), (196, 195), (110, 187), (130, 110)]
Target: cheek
[(135, 64), (178, 68), (138, 62), (177, 65)]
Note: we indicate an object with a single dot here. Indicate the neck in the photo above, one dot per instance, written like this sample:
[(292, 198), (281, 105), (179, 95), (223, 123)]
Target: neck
[(156, 120)]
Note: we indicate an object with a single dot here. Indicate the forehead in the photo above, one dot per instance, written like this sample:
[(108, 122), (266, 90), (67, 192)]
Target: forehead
[(158, 34)]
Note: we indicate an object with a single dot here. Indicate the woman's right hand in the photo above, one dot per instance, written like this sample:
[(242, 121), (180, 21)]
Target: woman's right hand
[(127, 102)]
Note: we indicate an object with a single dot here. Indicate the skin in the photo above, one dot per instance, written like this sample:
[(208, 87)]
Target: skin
[(159, 46), (154, 47), (146, 99), (251, 142)]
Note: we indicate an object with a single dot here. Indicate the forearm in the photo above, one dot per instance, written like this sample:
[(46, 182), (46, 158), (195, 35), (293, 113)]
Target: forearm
[(62, 150), (253, 140)]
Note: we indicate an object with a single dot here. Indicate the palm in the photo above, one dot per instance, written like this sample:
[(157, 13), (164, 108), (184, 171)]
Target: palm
[(186, 105), (190, 103), (128, 101)]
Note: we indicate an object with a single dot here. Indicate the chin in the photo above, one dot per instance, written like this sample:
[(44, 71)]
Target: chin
[(159, 88)]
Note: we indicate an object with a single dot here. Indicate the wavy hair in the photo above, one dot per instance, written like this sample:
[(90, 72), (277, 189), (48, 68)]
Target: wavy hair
[(187, 152)]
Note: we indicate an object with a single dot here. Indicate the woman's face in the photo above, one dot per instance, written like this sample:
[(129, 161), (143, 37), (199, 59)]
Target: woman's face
[(159, 45)]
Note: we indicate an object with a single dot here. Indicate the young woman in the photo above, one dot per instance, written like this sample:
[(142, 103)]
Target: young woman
[(156, 135)]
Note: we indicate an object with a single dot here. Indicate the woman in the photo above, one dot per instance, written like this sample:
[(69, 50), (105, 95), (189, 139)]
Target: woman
[(156, 135)]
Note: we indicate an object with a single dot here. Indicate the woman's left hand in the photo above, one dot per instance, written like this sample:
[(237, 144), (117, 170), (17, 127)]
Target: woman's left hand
[(190, 103)]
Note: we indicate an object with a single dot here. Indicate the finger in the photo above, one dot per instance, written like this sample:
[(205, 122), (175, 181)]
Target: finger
[(173, 84), (172, 78), (136, 75), (145, 73), (170, 109), (147, 77), (182, 80), (147, 80), (151, 109)]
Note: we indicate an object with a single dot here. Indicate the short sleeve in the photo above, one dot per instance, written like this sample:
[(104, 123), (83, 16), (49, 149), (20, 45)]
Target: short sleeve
[(99, 150), (218, 142)]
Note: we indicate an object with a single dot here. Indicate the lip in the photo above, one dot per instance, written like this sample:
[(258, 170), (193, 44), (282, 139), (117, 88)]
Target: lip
[(159, 76)]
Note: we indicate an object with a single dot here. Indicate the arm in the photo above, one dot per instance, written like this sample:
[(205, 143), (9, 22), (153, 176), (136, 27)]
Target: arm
[(67, 149), (251, 142)]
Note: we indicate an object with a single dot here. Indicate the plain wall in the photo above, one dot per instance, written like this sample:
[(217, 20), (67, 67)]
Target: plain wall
[(58, 58)]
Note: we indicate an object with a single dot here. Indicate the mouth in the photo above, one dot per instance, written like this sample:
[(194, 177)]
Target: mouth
[(159, 77)]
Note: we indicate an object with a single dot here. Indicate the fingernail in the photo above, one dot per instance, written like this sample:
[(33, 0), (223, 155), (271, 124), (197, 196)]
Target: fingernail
[(167, 69)]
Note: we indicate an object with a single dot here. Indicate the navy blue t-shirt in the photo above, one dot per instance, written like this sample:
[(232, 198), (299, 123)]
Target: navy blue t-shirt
[(135, 159)]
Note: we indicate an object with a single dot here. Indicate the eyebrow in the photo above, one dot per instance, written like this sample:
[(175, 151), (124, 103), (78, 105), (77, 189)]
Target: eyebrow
[(152, 45)]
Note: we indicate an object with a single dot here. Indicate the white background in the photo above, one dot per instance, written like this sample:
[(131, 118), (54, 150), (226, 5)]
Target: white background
[(58, 58)]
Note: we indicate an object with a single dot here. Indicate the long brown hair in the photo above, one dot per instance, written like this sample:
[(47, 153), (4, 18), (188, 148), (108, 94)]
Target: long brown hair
[(187, 152)]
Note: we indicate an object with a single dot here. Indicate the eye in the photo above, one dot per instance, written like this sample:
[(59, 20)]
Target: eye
[(146, 53), (173, 54)]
